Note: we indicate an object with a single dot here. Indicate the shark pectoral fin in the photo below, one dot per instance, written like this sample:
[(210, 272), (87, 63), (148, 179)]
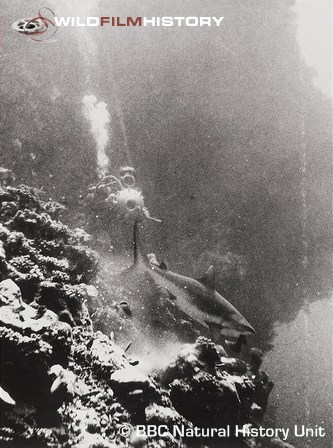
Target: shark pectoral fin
[(238, 345), (162, 289), (172, 297), (208, 279), (215, 330)]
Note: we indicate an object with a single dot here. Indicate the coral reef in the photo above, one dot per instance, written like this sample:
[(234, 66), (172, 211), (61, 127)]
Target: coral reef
[(42, 256), (64, 384)]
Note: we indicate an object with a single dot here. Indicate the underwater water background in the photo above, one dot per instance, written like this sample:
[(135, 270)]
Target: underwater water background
[(300, 366), (231, 141)]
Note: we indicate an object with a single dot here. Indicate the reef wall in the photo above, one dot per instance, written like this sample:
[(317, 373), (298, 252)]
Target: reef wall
[(63, 384)]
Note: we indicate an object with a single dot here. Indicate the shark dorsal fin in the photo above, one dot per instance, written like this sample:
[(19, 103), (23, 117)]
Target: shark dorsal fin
[(208, 279), (163, 266)]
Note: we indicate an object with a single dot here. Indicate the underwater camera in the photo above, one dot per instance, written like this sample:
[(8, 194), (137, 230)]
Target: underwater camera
[(120, 194), (129, 201)]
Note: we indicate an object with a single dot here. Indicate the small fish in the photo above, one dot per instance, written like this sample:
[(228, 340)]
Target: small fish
[(128, 346), (134, 362), (6, 397), (125, 307)]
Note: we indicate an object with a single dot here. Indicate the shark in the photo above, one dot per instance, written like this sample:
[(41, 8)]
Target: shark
[(197, 299)]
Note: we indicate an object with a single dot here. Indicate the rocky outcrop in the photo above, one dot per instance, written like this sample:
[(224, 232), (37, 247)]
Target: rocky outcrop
[(64, 385), (212, 390), (81, 389), (62, 375), (20, 316)]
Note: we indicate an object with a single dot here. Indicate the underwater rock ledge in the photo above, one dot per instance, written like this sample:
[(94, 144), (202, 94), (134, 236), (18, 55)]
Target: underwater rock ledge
[(65, 385)]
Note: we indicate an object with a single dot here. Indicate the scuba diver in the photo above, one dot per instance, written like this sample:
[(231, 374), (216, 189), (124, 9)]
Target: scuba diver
[(197, 299), (120, 194)]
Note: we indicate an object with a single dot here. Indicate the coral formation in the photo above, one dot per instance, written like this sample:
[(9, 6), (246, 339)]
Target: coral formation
[(64, 384)]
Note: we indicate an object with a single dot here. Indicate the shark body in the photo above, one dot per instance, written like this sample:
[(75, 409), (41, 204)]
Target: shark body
[(198, 299), (202, 303)]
